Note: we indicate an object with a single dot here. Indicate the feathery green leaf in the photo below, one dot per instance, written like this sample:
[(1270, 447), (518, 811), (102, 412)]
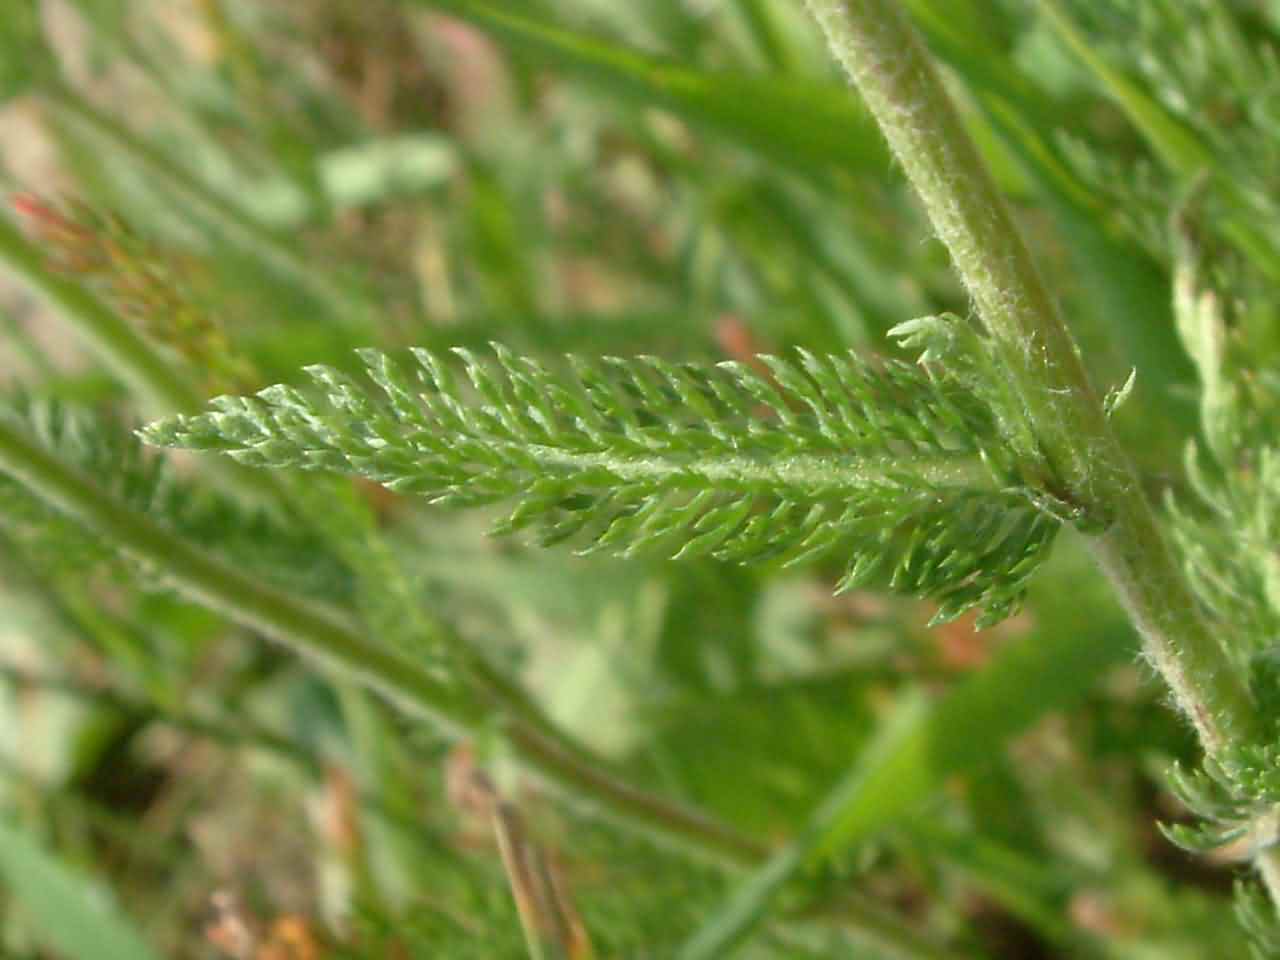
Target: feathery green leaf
[(906, 475)]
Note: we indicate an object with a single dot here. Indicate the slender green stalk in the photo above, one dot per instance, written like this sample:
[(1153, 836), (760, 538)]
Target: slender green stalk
[(873, 40), (876, 44), (325, 636)]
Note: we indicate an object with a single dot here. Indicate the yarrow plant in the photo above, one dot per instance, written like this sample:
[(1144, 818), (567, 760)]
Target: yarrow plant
[(821, 455), (644, 733)]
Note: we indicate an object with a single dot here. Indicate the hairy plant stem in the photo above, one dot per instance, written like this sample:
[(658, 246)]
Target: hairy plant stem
[(1083, 463)]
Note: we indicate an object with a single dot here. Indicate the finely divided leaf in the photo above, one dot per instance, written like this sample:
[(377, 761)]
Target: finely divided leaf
[(905, 475)]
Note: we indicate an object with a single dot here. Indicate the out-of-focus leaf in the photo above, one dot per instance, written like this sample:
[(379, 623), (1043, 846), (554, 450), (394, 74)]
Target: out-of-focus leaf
[(84, 127), (921, 748), (1050, 669), (1027, 888), (1177, 146), (69, 912), (749, 905), (815, 126), (24, 55), (356, 176)]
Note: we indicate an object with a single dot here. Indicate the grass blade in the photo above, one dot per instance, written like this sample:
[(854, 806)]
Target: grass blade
[(922, 748), (1048, 670), (227, 222), (750, 904), (815, 126), (1177, 146), (67, 909)]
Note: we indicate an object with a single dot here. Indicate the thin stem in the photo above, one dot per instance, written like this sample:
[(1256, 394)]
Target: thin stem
[(880, 50), (804, 475), (876, 44), (327, 637)]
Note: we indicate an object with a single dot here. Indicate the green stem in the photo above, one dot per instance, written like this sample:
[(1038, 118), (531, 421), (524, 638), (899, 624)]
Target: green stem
[(876, 44), (802, 475), (325, 636)]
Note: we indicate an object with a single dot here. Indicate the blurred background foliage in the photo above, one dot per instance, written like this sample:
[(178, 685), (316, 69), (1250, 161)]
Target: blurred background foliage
[(250, 186)]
